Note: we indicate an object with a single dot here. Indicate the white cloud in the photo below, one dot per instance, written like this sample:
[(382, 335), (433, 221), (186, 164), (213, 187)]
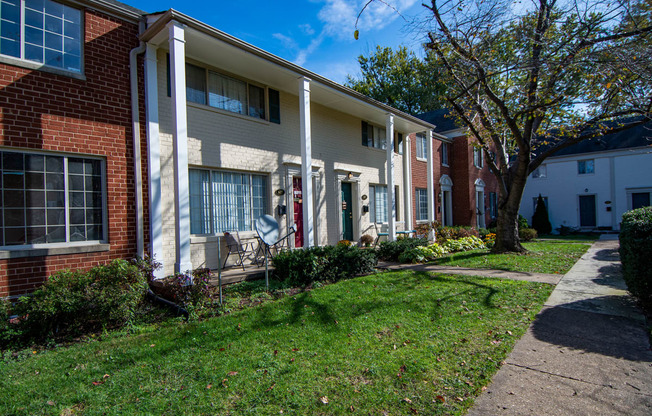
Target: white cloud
[(286, 41), (307, 29)]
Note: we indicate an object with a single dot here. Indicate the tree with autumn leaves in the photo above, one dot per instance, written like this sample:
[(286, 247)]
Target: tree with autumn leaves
[(528, 79)]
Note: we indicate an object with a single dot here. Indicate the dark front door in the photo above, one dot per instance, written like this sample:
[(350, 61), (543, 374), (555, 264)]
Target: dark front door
[(298, 211), (587, 211), (640, 200), (347, 212)]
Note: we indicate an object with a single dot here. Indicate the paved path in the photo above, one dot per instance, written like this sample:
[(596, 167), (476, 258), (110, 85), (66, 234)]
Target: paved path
[(587, 352), (552, 279)]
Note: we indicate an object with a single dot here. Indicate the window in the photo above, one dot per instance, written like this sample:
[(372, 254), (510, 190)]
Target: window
[(41, 31), (478, 161), (211, 88), (373, 136), (50, 199), (225, 201), (422, 146), (585, 167), (378, 203), (493, 204), (398, 143), (444, 154), (422, 204), (540, 172)]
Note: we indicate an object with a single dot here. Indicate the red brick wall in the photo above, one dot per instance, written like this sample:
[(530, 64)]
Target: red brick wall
[(420, 174), (43, 111)]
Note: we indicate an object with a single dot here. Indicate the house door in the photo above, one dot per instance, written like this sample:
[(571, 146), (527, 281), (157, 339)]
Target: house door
[(298, 211), (640, 200), (587, 211), (347, 212), (479, 206), (447, 209)]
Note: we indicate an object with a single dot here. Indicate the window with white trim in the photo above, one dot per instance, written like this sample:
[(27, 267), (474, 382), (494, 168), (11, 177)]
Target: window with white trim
[(540, 172), (493, 204), (585, 167), (378, 203), (225, 201), (444, 153), (478, 160), (374, 136), (41, 31), (51, 199), (422, 146), (422, 204)]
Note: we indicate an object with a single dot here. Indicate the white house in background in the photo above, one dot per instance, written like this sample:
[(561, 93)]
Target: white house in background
[(235, 132), (590, 185)]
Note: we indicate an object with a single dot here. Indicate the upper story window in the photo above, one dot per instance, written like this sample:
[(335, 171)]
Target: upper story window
[(444, 154), (374, 136), (50, 199), (585, 167), (478, 159), (540, 172), (41, 31), (422, 146), (398, 143), (207, 87)]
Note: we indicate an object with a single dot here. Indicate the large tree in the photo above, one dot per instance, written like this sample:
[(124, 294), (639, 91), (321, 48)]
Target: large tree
[(398, 78), (531, 78)]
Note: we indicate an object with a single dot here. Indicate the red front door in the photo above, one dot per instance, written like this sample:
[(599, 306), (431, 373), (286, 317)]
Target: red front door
[(298, 211)]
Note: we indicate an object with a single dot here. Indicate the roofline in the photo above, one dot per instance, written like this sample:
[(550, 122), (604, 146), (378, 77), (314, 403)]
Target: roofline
[(601, 153), (172, 14), (115, 9)]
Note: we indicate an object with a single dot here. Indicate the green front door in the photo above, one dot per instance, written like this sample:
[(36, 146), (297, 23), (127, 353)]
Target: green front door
[(347, 212)]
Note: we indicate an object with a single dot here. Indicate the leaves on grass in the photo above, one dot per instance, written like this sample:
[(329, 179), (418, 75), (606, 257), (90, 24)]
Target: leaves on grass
[(232, 373), (324, 399), (440, 399), (270, 387)]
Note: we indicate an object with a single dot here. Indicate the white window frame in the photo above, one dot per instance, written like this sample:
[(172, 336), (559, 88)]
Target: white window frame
[(373, 204), (631, 191), (422, 147), (478, 157), (211, 198), (586, 164), (421, 198), (21, 60), (376, 137), (67, 203), (444, 154)]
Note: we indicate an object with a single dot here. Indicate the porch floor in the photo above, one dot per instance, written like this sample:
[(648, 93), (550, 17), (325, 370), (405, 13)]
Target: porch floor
[(235, 274)]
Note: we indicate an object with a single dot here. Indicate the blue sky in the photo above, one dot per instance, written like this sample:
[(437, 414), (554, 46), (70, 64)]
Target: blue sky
[(316, 34)]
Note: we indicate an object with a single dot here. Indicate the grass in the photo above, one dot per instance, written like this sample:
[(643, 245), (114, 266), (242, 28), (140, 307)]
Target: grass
[(554, 257), (391, 343)]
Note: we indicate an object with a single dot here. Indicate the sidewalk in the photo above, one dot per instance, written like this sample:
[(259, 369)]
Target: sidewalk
[(587, 352)]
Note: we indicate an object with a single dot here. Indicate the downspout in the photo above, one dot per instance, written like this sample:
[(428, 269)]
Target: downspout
[(135, 127)]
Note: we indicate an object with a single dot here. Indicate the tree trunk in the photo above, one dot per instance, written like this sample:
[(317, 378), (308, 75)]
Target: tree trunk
[(507, 230)]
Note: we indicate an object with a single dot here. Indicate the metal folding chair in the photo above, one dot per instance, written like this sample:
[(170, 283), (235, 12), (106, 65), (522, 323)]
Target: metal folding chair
[(235, 246)]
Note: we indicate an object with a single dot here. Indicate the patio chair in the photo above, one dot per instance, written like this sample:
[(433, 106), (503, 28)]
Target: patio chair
[(379, 226), (407, 232), (235, 246)]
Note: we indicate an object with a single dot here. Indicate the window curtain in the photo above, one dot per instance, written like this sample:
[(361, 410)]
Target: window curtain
[(227, 93), (380, 198), (200, 204)]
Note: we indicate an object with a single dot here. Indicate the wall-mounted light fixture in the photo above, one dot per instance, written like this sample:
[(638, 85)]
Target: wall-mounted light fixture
[(279, 192), (364, 197), (586, 189), (350, 175)]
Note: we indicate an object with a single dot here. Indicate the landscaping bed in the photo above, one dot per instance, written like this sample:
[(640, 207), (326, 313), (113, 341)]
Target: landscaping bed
[(390, 343)]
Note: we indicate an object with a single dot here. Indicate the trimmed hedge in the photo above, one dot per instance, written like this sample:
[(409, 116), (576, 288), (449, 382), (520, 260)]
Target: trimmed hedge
[(303, 267), (527, 234), (392, 250), (635, 248)]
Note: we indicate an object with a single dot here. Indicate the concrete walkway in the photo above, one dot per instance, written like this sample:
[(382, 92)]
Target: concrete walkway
[(587, 352)]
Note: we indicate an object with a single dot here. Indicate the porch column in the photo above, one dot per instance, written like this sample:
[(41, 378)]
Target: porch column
[(180, 143), (391, 206), (431, 184), (306, 162), (407, 183), (153, 160)]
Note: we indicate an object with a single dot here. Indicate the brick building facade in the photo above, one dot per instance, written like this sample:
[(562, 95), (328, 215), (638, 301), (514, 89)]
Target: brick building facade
[(66, 141)]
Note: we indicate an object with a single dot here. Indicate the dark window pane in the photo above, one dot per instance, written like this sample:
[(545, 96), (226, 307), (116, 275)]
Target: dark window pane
[(56, 235), (35, 235), (10, 47), (93, 167), (54, 181), (55, 199), (35, 199), (14, 217), (94, 199), (94, 216), (53, 58), (34, 180), (256, 101), (72, 62), (76, 183), (72, 15), (14, 198), (34, 36), (77, 233), (75, 165), (10, 30), (10, 11), (14, 236), (55, 9), (12, 161), (13, 180), (195, 84), (35, 217), (54, 164), (34, 163), (33, 53), (94, 232), (56, 217), (77, 199), (34, 18), (93, 183), (77, 216)]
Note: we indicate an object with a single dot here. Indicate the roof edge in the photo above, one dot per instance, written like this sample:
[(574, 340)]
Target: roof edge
[(116, 8)]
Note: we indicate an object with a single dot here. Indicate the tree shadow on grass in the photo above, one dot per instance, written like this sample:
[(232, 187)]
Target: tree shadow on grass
[(460, 256)]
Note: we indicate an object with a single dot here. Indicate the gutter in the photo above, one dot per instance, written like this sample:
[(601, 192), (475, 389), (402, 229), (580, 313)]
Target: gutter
[(135, 128)]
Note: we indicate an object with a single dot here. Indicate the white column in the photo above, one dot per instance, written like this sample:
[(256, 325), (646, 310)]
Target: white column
[(431, 183), (391, 208), (407, 183), (306, 162), (154, 160), (180, 139)]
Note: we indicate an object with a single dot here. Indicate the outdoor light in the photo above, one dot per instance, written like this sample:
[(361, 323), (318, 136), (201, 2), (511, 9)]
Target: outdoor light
[(364, 197), (350, 175)]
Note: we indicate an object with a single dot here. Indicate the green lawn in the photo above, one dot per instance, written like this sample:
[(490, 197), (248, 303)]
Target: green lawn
[(555, 257), (391, 343)]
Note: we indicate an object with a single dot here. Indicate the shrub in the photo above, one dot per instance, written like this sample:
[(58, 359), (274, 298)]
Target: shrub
[(366, 240), (540, 221), (9, 329), (424, 229), (527, 234), (635, 248), (192, 294), (522, 222), (74, 302), (303, 267), (463, 244), (455, 233), (490, 240), (422, 254), (391, 250), (344, 243)]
